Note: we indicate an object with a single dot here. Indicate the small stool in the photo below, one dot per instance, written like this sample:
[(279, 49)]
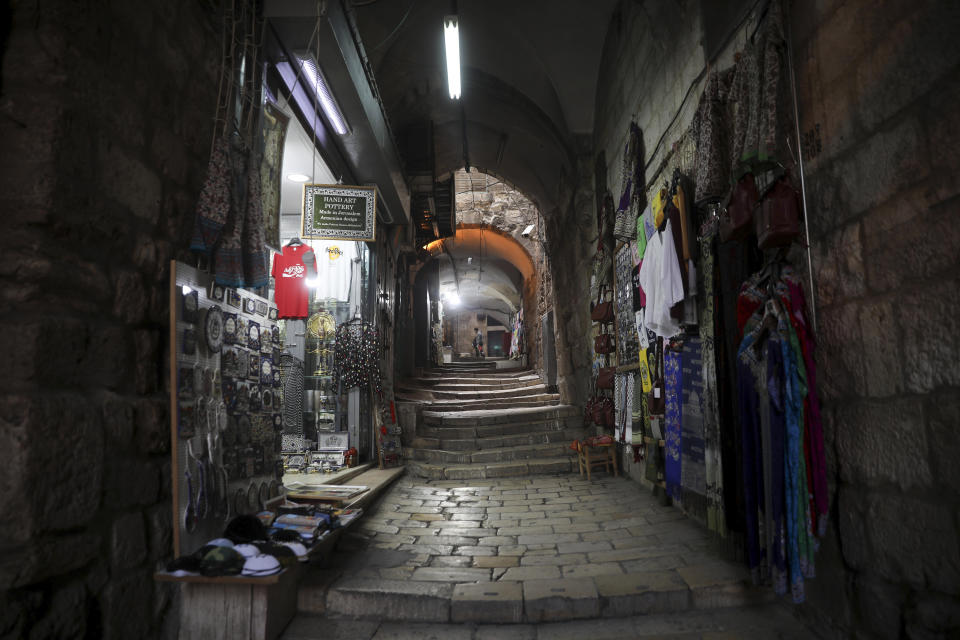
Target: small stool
[(602, 454)]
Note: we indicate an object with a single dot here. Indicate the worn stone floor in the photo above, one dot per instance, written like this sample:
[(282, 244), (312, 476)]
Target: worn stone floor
[(544, 556)]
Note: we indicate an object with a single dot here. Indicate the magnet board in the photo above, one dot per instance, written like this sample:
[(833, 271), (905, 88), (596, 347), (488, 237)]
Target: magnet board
[(628, 347)]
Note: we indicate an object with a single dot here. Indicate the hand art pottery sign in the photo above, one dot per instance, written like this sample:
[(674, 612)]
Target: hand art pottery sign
[(339, 212)]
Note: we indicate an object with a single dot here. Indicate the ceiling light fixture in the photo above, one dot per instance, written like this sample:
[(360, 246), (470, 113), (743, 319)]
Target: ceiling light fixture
[(297, 177), (451, 38), (310, 75)]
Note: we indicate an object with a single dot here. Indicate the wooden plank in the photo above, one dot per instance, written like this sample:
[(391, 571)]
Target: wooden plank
[(174, 464), (162, 576)]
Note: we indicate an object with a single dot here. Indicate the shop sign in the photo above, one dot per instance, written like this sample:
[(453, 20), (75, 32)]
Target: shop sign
[(339, 212)]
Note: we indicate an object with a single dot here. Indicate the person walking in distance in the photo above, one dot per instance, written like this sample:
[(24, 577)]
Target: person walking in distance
[(477, 342)]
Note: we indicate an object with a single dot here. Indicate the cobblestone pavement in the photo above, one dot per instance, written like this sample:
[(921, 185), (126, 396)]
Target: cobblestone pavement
[(536, 550)]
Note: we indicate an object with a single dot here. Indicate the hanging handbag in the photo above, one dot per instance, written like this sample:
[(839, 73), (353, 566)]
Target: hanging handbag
[(602, 311), (603, 344), (605, 377), (778, 219), (736, 220), (603, 414), (588, 411)]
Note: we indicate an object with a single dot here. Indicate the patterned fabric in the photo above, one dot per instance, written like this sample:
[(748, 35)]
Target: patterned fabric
[(672, 420), (213, 206), (711, 172), (716, 518), (292, 369), (693, 469), (255, 253), (228, 258), (623, 404), (356, 356)]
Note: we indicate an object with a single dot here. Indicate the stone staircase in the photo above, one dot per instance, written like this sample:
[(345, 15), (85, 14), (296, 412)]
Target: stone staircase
[(480, 422)]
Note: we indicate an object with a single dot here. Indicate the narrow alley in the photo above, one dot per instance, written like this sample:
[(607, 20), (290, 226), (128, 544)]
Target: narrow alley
[(480, 319)]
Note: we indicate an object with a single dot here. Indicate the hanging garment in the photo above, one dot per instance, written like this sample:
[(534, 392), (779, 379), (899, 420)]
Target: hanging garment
[(256, 255), (673, 420), (712, 439), (228, 255), (292, 369), (693, 470), (660, 279), (213, 206), (290, 276), (711, 172)]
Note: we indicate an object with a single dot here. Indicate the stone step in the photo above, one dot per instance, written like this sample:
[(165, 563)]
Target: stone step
[(499, 404), (429, 433), (461, 386), (440, 374), (488, 394), (552, 449), (480, 471), (530, 594), (499, 416), (488, 380)]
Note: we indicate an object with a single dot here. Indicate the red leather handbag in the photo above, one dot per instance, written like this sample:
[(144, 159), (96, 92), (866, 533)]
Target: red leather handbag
[(605, 378), (735, 222), (603, 343), (603, 412), (778, 221), (603, 310)]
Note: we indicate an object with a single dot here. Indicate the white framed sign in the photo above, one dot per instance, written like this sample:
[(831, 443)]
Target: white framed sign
[(339, 212), (338, 441)]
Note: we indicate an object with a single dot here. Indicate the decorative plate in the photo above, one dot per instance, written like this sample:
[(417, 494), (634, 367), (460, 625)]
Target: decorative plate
[(240, 502), (273, 313), (243, 429), (243, 364), (189, 342), (253, 368), (278, 421), (266, 370), (266, 400), (264, 494), (191, 304), (185, 388), (213, 329), (276, 378), (243, 399), (255, 398), (265, 344), (249, 306), (253, 335), (207, 381), (275, 336), (185, 420), (230, 393), (230, 433), (216, 292), (229, 328), (241, 331), (261, 308), (233, 298)]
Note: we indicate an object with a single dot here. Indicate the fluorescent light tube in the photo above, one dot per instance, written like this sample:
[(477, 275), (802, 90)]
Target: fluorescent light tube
[(451, 37), (316, 81)]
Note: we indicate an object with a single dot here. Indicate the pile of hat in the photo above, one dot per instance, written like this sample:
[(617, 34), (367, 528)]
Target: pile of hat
[(245, 549)]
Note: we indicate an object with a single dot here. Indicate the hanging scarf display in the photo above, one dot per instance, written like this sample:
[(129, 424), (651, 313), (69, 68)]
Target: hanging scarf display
[(672, 421)]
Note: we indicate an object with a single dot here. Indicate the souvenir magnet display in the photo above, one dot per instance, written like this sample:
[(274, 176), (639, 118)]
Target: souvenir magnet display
[(253, 335), (233, 298), (261, 308), (216, 292), (249, 306)]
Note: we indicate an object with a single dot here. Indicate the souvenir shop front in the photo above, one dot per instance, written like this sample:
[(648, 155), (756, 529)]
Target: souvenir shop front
[(704, 343), (280, 332)]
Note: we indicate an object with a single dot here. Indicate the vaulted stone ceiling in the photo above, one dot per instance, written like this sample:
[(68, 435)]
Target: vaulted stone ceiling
[(529, 82)]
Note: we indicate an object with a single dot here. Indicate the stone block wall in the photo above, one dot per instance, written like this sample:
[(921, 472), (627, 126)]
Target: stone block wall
[(878, 86), (106, 122)]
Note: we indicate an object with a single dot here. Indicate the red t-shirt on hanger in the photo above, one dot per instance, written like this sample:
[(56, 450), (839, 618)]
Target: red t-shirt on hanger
[(290, 275)]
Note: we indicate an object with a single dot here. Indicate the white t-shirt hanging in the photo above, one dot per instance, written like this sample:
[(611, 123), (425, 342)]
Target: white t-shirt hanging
[(661, 281), (334, 267)]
